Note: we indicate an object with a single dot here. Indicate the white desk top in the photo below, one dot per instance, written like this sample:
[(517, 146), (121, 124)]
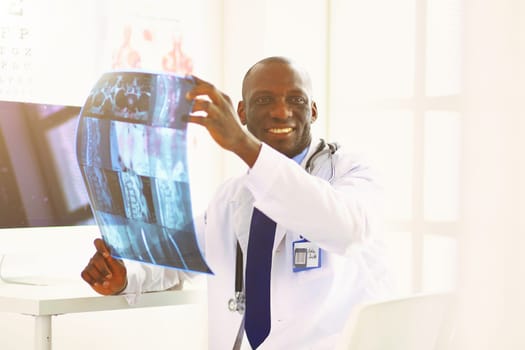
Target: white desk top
[(72, 296)]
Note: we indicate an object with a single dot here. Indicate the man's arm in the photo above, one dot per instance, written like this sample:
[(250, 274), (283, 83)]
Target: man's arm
[(335, 216)]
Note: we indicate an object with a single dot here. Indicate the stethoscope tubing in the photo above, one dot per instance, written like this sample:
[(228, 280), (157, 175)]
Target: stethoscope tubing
[(321, 150)]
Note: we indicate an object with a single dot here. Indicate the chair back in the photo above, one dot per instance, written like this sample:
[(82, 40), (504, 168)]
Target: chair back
[(418, 322)]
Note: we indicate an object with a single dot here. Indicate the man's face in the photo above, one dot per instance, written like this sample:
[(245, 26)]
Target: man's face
[(277, 107)]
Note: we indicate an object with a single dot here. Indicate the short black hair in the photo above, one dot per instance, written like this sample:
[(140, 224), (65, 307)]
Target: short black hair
[(272, 59)]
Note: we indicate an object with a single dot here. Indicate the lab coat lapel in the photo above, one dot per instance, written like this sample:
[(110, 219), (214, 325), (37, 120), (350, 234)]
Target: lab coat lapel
[(279, 235), (242, 215)]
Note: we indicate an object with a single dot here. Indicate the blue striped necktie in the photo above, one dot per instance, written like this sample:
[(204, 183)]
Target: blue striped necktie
[(258, 272)]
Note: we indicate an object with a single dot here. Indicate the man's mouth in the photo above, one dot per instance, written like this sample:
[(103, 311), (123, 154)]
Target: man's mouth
[(280, 130)]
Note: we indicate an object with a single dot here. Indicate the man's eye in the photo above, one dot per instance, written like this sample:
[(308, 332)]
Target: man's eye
[(299, 100), (262, 100)]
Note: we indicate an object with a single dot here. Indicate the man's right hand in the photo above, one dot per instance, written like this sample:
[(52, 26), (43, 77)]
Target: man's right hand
[(105, 274)]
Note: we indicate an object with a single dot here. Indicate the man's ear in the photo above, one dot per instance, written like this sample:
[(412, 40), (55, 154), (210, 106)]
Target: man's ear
[(241, 112), (314, 112)]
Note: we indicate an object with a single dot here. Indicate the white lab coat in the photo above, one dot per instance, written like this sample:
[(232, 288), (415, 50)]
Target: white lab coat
[(309, 308)]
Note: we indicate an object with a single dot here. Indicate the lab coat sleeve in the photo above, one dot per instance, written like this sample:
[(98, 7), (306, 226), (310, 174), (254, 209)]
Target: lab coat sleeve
[(337, 216), (143, 278)]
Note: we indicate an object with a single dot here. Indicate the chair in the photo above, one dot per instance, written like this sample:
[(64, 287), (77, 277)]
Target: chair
[(418, 322)]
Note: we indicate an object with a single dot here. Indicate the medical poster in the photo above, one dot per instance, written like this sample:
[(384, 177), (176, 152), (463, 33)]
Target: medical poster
[(132, 152)]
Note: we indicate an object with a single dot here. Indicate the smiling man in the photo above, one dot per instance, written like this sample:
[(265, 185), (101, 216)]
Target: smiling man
[(277, 108), (309, 239), (277, 105)]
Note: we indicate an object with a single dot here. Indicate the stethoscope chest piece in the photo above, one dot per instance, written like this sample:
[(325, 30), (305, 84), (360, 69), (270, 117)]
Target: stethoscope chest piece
[(237, 303)]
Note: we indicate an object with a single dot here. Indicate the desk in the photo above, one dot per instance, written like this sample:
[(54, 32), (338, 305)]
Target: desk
[(74, 296)]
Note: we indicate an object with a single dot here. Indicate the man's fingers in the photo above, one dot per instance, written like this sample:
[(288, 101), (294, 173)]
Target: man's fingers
[(100, 286), (116, 267), (201, 83), (92, 276), (200, 105), (205, 108), (101, 265), (102, 248), (86, 276), (203, 88), (198, 80), (104, 263)]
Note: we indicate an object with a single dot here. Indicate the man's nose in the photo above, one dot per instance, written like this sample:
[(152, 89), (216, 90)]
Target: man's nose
[(281, 109)]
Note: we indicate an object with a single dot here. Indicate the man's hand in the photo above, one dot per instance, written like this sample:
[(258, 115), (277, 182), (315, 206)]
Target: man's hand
[(221, 121), (106, 275)]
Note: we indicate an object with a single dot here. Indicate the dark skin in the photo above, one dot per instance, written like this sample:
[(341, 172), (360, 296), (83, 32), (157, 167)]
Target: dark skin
[(276, 109), (105, 274)]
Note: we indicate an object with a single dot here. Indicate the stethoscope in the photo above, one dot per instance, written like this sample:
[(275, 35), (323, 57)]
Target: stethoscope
[(238, 302), (322, 148)]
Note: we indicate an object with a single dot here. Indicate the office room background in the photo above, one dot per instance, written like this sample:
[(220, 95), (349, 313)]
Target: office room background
[(431, 91)]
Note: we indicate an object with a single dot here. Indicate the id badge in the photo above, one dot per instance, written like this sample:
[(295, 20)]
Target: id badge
[(306, 255)]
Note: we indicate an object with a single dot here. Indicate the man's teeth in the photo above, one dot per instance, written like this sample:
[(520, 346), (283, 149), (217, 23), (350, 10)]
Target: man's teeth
[(280, 130)]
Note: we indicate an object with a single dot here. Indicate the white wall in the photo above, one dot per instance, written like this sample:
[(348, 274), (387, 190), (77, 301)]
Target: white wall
[(257, 29), (492, 276)]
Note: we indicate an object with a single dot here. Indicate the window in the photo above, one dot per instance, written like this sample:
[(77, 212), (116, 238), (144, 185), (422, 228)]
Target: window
[(394, 93)]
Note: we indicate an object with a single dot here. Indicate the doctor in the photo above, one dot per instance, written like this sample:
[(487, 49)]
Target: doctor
[(319, 226)]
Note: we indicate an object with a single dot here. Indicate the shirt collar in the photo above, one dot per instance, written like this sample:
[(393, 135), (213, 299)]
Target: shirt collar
[(299, 158)]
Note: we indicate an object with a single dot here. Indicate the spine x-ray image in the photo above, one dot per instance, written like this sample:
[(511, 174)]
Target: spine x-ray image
[(131, 149)]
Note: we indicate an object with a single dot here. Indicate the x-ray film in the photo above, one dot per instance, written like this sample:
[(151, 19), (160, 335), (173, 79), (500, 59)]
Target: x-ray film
[(132, 153)]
